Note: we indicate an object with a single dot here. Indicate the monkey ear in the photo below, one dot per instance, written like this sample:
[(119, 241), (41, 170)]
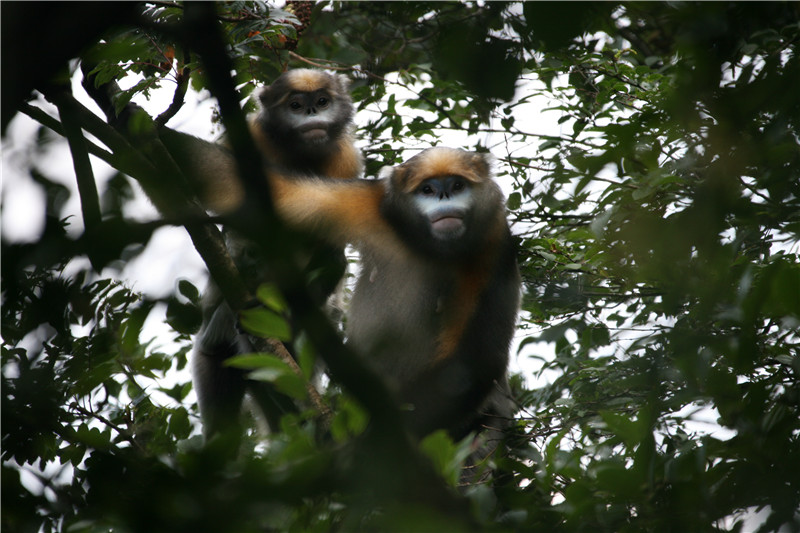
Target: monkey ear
[(483, 162), (263, 95), (386, 172), (343, 82)]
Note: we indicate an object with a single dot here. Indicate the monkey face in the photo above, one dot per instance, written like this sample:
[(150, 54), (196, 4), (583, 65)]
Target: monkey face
[(444, 202), (312, 115), (440, 218), (305, 113)]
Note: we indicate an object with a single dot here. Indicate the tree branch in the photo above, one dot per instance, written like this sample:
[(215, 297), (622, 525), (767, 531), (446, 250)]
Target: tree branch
[(415, 479), (157, 173), (225, 274), (178, 98), (257, 212)]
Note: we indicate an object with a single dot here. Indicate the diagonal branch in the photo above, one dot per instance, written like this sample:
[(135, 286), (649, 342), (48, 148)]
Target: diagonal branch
[(415, 480), (90, 201), (182, 79), (226, 276), (151, 165)]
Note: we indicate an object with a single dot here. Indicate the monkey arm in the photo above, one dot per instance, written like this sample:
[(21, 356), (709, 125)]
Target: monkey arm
[(209, 167), (350, 162), (343, 212)]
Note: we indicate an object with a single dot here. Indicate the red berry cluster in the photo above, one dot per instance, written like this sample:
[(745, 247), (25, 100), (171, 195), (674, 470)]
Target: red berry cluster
[(302, 10)]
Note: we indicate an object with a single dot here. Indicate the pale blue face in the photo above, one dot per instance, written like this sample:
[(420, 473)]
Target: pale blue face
[(311, 114), (445, 202)]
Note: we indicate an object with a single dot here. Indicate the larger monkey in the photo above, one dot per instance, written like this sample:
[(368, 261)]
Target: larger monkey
[(304, 127), (435, 303)]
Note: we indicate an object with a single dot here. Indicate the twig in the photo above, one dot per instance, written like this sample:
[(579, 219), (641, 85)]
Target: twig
[(124, 433), (182, 79), (276, 347)]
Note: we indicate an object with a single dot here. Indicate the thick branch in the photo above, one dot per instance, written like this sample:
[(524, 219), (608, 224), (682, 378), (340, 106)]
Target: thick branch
[(257, 212), (415, 479), (236, 297), (40, 116), (90, 201)]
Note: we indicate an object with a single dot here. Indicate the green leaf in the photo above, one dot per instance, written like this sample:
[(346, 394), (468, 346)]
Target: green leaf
[(270, 368), (632, 432), (179, 424), (514, 201), (252, 361), (265, 323), (446, 456), (187, 289), (306, 355), (93, 437), (285, 381), (547, 255), (349, 420), (269, 295), (184, 317)]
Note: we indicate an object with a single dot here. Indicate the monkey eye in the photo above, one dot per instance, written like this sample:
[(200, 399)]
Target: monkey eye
[(426, 190), (322, 102), (458, 185), (294, 105)]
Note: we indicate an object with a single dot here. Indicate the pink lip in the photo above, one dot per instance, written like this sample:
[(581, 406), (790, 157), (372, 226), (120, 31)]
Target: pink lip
[(447, 223), (315, 133)]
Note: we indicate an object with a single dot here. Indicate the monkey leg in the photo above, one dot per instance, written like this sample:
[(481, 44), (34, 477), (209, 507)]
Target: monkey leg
[(220, 389)]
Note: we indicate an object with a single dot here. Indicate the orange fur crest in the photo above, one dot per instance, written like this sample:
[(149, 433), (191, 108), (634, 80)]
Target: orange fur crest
[(441, 161), (307, 80)]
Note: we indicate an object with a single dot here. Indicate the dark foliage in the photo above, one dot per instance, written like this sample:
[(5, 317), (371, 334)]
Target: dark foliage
[(658, 218)]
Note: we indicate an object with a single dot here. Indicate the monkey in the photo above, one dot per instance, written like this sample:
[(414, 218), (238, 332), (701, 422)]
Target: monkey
[(305, 128), (434, 305)]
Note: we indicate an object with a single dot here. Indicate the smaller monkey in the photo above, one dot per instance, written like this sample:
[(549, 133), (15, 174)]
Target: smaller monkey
[(304, 125), (304, 128)]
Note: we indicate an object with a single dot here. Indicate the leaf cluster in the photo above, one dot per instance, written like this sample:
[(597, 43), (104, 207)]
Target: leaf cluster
[(658, 222)]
